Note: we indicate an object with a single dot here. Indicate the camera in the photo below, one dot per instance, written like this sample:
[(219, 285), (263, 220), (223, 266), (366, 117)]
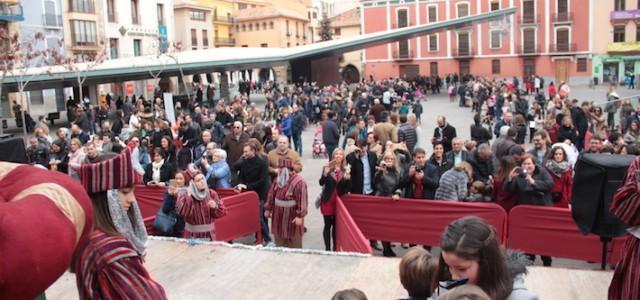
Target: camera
[(521, 171), (418, 168)]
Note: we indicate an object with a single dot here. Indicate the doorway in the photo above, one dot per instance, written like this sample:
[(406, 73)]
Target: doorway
[(562, 70), (529, 68), (465, 67), (409, 72)]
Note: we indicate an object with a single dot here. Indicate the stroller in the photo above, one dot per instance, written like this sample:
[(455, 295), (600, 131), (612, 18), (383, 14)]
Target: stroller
[(318, 148)]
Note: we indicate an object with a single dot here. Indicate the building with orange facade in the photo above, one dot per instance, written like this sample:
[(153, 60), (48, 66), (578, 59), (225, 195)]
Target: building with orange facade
[(549, 38)]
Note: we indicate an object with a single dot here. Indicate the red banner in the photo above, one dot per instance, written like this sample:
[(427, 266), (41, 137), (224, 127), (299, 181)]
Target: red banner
[(413, 221), (349, 238), (242, 211), (551, 231)]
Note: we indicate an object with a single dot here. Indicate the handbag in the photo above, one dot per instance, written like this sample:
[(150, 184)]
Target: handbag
[(164, 223)]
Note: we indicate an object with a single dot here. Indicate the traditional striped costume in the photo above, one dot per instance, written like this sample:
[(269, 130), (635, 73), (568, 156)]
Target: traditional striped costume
[(110, 268), (198, 216), (287, 200), (626, 206)]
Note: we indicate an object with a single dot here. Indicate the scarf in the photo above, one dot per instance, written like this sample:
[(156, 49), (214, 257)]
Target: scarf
[(199, 195), (135, 233), (557, 168), (155, 174), (283, 177)]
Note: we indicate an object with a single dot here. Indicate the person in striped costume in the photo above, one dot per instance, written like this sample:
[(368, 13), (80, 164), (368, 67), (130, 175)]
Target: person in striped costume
[(287, 204), (199, 206), (110, 265)]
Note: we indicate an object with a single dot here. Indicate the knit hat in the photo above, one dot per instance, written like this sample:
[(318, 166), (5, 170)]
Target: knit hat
[(111, 172)]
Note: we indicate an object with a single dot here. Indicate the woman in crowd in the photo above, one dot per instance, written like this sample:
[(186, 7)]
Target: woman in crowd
[(500, 195), (387, 181), (633, 133), (471, 252), (521, 128), (59, 158), (76, 157), (598, 121), (567, 132), (374, 144), (199, 206), (453, 183), (439, 160), (160, 171), (561, 172), (218, 172), (335, 179), (166, 143), (417, 273), (169, 202)]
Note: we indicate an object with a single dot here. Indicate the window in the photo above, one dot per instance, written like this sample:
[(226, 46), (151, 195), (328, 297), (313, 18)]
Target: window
[(237, 27), (244, 27), (83, 32), (257, 26), (495, 5), (433, 43), (315, 15), (194, 39), (562, 38), (36, 97), (242, 5), (637, 32), (137, 47), (83, 6), (402, 18), (463, 10), (495, 66), (433, 66), (619, 5), (288, 33), (563, 7), (432, 14), (528, 11), (271, 25), (113, 48), (250, 27), (288, 44), (582, 64), (205, 39), (264, 45), (111, 13), (618, 34), (496, 39), (160, 9), (134, 12), (336, 31), (264, 25), (197, 15), (297, 30)]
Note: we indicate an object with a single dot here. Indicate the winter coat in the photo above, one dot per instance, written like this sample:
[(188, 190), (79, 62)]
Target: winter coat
[(480, 134), (234, 147), (407, 134), (567, 133), (330, 133), (166, 172), (482, 169), (448, 133), (537, 194), (453, 185), (357, 169), (220, 173), (429, 183), (442, 167), (562, 188), (388, 183), (464, 156)]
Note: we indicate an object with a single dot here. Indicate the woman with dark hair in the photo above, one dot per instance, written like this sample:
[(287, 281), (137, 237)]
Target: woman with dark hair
[(633, 133), (471, 252), (479, 133), (562, 174), (500, 195), (520, 125), (160, 171), (110, 264), (567, 131), (335, 179), (166, 143), (169, 202)]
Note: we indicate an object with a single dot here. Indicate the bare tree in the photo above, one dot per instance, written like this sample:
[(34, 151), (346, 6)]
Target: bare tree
[(23, 60)]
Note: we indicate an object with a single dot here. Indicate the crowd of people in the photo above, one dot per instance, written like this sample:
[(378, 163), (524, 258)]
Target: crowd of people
[(371, 134)]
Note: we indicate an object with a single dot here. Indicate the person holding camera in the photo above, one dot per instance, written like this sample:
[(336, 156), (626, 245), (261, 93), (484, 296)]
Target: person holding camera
[(388, 184), (335, 180), (421, 179), (218, 174), (531, 185)]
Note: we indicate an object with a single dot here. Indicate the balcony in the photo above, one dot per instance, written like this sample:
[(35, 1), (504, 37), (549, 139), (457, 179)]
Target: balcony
[(527, 50), (222, 19), (624, 48), (562, 17), (562, 48), (462, 52), (529, 19), (395, 26), (11, 12), (230, 42), (401, 55), (52, 20)]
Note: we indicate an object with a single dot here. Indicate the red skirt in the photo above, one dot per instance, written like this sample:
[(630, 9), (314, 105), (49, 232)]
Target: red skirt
[(626, 278)]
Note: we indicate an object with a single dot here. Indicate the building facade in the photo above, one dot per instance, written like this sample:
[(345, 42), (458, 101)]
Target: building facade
[(271, 26), (221, 22), (549, 38), (347, 24), (616, 40), (11, 13), (192, 25), (83, 28)]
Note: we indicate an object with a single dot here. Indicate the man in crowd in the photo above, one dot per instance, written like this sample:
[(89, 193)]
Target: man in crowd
[(37, 153), (234, 142), (505, 121), (421, 179), (376, 110), (253, 175), (481, 162), (595, 144), (363, 167), (457, 154), (504, 142), (580, 120), (92, 153), (77, 132), (330, 134), (444, 133), (299, 122), (283, 151), (407, 134), (540, 149), (386, 131)]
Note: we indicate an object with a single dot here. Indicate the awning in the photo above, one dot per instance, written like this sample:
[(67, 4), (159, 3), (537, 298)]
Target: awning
[(624, 47)]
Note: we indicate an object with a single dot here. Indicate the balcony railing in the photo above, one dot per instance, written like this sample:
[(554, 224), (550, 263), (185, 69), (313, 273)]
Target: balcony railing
[(562, 48), (529, 19), (11, 12), (225, 41), (562, 17), (395, 25), (528, 49), (52, 20), (222, 19), (401, 55), (462, 52)]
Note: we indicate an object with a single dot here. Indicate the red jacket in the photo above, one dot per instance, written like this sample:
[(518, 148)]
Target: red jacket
[(563, 185), (501, 196)]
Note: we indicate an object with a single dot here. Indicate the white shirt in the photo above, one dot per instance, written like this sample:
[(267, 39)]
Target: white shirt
[(133, 121), (386, 97)]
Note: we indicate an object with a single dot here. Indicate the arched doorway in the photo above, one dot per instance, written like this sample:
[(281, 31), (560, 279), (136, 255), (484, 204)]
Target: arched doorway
[(264, 74), (350, 74)]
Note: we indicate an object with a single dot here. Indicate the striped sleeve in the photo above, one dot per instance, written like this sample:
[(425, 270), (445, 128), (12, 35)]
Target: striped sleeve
[(126, 278)]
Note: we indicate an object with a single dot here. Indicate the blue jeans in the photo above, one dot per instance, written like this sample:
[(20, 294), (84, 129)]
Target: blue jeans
[(297, 142), (264, 224)]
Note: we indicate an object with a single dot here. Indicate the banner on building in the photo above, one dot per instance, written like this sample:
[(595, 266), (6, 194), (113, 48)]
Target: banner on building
[(169, 108)]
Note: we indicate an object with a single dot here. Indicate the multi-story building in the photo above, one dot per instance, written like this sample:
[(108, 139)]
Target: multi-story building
[(347, 24), (331, 8), (221, 22), (616, 40), (549, 38), (83, 28), (11, 13), (270, 26), (192, 25)]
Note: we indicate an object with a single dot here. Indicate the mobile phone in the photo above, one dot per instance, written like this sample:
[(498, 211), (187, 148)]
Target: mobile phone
[(172, 182), (454, 283)]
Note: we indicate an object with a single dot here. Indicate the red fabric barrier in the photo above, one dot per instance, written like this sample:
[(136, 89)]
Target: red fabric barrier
[(242, 211), (415, 221), (551, 231), (349, 238)]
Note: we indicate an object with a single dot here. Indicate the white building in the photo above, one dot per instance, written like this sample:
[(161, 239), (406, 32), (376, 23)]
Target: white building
[(136, 28)]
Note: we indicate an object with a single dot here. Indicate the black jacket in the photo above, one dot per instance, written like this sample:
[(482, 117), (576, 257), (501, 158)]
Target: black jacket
[(567, 133), (166, 172), (465, 156), (481, 168), (579, 120), (357, 169), (254, 173), (430, 183), (448, 133), (537, 194), (480, 134), (442, 167), (329, 184)]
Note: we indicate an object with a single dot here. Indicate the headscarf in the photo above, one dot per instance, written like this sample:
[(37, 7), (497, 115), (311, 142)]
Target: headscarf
[(199, 195), (283, 175), (133, 230)]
